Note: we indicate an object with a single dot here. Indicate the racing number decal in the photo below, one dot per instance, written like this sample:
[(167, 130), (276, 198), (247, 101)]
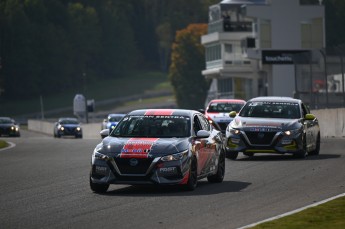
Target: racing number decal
[(137, 148)]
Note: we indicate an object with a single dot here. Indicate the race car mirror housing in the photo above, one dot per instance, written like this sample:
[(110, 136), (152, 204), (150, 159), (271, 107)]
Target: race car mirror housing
[(232, 114), (309, 117), (104, 133), (203, 134)]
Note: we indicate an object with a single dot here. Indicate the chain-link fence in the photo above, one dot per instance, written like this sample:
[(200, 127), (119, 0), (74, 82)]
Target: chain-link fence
[(319, 77)]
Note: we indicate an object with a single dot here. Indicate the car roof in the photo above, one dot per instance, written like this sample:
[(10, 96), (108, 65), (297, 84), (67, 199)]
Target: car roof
[(164, 112), (113, 115), (67, 118), (275, 99), (8, 118), (227, 101)]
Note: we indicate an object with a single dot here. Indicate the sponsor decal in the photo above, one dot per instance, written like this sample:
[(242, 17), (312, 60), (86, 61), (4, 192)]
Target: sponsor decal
[(168, 170), (159, 112), (137, 148)]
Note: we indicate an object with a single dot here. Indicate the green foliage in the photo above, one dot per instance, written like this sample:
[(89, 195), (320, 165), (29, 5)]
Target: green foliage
[(48, 47), (188, 61)]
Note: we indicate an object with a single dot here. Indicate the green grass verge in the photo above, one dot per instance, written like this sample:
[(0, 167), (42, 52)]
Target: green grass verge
[(3, 144), (330, 215), (132, 84)]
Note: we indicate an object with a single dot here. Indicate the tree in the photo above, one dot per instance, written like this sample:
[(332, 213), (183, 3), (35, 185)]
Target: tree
[(187, 62)]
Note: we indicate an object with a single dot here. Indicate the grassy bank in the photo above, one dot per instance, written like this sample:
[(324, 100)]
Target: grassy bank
[(132, 84), (3, 144), (328, 215)]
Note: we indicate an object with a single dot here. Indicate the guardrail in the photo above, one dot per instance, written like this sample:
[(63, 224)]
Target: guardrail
[(331, 121)]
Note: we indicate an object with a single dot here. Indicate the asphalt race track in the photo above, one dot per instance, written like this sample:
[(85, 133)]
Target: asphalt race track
[(44, 184)]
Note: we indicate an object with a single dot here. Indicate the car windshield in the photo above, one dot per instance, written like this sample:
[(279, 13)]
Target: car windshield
[(224, 107), (153, 126), (286, 110), (68, 121), (115, 118), (5, 121)]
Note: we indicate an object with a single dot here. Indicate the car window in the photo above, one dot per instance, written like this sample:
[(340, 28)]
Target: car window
[(5, 121), (286, 110), (205, 125), (153, 126), (196, 125), (224, 107), (68, 121), (115, 118), (305, 110)]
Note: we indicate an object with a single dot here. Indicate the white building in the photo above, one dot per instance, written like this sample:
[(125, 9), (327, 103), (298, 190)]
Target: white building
[(251, 45)]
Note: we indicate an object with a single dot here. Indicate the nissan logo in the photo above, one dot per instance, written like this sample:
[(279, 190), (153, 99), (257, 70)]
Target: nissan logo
[(261, 135), (133, 162)]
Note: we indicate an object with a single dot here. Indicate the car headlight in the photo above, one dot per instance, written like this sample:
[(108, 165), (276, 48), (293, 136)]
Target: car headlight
[(175, 157), (78, 128), (97, 155), (233, 131), (292, 132), (100, 156)]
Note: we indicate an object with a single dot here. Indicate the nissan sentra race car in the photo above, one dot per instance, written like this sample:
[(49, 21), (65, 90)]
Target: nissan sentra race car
[(218, 110), (273, 125), (158, 146)]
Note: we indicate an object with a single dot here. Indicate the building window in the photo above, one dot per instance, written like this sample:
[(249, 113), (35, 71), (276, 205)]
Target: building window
[(228, 48), (213, 52), (312, 34), (225, 86), (265, 34)]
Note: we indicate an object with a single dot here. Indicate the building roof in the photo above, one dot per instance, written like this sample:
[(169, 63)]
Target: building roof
[(243, 2)]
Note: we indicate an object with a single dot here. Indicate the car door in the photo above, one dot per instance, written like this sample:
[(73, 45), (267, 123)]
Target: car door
[(208, 152), (310, 128)]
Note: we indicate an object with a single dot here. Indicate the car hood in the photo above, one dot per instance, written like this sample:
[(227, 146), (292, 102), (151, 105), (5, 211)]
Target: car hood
[(265, 124), (70, 125), (142, 147)]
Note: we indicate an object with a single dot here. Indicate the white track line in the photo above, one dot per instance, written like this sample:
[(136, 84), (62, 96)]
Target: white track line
[(292, 212), (11, 145)]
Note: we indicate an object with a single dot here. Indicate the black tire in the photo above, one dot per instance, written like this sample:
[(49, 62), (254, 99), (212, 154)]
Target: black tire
[(219, 176), (98, 188), (193, 176), (231, 155), (248, 154), (302, 153), (316, 151)]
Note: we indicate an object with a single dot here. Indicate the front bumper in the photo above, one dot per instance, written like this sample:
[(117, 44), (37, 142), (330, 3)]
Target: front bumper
[(140, 171), (264, 142), (70, 132)]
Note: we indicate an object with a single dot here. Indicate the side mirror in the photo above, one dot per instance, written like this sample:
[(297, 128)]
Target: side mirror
[(203, 134), (104, 133), (232, 114), (309, 117)]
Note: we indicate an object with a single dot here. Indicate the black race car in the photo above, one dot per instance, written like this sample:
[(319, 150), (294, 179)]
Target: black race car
[(9, 127), (68, 127), (158, 146), (273, 125)]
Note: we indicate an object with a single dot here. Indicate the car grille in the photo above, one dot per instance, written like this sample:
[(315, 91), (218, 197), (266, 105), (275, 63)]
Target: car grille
[(126, 167), (5, 130), (70, 130), (223, 125), (260, 138)]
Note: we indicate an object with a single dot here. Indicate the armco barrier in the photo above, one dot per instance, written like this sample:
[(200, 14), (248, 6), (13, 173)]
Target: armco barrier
[(331, 121), (90, 130)]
